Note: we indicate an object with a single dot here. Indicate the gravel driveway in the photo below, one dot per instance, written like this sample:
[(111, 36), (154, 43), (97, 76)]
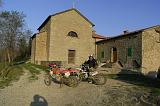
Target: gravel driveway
[(35, 93)]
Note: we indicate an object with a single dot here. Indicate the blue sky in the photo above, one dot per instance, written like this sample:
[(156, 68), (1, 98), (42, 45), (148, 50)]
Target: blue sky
[(110, 17)]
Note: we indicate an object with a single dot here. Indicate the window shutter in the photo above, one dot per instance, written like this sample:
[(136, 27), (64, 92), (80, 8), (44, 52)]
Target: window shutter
[(102, 54), (129, 52)]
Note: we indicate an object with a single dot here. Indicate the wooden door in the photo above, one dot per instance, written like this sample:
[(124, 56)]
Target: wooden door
[(114, 54), (71, 56)]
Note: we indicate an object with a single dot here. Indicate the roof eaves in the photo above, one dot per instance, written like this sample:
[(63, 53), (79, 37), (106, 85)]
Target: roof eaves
[(128, 34), (84, 17), (47, 19), (99, 36), (119, 36), (33, 35), (64, 12)]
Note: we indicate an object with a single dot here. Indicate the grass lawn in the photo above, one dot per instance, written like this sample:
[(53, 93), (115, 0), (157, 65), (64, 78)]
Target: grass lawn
[(13, 72), (34, 70), (3, 66)]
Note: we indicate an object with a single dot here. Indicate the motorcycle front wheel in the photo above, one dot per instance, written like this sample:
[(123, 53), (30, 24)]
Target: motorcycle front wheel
[(99, 79), (72, 81)]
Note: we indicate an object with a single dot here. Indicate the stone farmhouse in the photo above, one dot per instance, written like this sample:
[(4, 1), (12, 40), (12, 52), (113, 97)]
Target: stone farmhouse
[(138, 50), (66, 38)]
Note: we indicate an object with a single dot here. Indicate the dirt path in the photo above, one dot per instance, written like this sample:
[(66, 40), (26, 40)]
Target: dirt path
[(26, 93)]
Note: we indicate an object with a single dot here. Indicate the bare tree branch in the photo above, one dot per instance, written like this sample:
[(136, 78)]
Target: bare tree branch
[(13, 36)]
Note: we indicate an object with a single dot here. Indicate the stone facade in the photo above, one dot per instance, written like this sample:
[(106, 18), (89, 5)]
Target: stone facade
[(52, 43), (33, 48), (139, 49), (39, 47), (151, 49), (121, 45), (60, 42)]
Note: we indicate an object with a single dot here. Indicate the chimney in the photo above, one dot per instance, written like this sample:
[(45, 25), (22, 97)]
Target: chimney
[(125, 31)]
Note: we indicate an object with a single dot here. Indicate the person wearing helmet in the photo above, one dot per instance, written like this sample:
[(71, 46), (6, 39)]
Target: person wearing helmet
[(92, 62)]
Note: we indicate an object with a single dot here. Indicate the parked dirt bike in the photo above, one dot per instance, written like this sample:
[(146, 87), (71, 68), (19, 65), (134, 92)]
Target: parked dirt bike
[(72, 77), (92, 76), (62, 76)]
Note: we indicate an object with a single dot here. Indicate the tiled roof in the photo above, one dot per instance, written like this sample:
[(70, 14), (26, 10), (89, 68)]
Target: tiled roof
[(127, 34), (99, 36)]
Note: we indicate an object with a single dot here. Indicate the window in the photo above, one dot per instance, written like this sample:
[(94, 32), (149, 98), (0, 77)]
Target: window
[(102, 54), (71, 56), (72, 34), (129, 52)]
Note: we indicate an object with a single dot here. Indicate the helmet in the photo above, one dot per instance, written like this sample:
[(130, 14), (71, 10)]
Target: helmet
[(91, 55)]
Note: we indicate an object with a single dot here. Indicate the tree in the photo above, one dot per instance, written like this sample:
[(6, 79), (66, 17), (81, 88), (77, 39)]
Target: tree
[(24, 45), (29, 34), (12, 34)]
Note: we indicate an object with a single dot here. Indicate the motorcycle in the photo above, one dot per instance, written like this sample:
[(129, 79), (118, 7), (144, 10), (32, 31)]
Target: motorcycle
[(72, 77), (90, 75), (62, 76)]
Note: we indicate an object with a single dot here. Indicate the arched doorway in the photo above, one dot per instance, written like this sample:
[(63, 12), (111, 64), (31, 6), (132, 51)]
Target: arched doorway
[(114, 54)]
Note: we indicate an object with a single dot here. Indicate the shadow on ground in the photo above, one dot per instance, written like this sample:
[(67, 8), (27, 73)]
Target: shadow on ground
[(39, 101), (138, 79), (145, 91)]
